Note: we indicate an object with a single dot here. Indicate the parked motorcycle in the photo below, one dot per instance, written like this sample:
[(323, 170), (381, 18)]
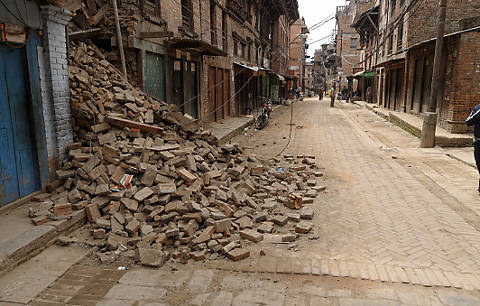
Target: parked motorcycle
[(262, 119)]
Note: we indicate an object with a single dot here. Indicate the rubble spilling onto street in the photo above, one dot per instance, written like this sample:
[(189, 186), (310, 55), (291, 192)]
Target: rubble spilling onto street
[(154, 184)]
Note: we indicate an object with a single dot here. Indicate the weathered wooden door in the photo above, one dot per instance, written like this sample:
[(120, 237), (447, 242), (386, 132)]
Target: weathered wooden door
[(178, 84), (154, 78), (19, 172), (211, 94), (226, 93), (190, 87), (219, 95)]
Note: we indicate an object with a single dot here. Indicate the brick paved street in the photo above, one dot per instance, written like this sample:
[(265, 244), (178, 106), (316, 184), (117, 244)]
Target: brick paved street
[(83, 285), (397, 225), (394, 211)]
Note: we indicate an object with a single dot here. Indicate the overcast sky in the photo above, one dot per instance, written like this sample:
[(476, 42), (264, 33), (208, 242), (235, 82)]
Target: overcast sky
[(315, 11)]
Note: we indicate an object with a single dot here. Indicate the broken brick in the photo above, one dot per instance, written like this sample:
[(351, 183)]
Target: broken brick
[(92, 212), (238, 254), (251, 235)]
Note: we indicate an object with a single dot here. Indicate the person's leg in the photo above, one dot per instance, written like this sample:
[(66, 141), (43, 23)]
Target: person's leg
[(476, 153)]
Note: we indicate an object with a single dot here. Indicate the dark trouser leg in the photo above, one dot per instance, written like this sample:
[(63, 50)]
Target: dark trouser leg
[(476, 147)]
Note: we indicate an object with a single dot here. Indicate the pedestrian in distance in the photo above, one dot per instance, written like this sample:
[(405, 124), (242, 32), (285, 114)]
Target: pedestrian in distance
[(332, 97), (320, 95), (474, 119), (344, 93)]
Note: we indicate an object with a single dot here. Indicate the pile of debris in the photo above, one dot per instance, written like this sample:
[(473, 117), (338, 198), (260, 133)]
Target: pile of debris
[(154, 185)]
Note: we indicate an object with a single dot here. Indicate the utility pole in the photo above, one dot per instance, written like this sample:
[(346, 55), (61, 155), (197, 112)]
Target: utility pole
[(341, 59), (427, 139), (120, 40)]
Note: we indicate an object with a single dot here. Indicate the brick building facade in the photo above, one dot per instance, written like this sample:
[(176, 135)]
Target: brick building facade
[(309, 77), (205, 56), (212, 59), (405, 58), (348, 43), (366, 24), (298, 47), (325, 66)]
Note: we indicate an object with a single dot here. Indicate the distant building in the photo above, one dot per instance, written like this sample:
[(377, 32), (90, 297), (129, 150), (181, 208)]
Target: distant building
[(325, 67), (298, 47), (348, 43), (366, 24), (308, 76)]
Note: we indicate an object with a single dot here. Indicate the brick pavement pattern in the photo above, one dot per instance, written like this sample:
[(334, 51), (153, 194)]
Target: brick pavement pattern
[(393, 216), (83, 285), (399, 213)]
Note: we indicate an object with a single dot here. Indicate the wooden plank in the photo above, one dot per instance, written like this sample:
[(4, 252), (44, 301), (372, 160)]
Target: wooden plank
[(166, 147), (226, 93), (84, 34), (73, 5), (94, 20), (219, 109), (132, 124), (92, 7), (159, 34), (211, 94)]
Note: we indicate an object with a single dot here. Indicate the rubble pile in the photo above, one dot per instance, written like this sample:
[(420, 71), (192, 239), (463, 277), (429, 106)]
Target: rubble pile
[(156, 186)]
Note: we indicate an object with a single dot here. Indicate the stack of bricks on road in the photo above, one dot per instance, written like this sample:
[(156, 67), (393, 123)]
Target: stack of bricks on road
[(187, 198)]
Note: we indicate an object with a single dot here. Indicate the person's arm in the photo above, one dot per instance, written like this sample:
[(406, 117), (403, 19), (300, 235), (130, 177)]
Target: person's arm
[(474, 116)]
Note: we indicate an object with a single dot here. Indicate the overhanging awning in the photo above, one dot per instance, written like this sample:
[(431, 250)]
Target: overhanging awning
[(255, 69), (365, 74), (195, 45), (369, 74)]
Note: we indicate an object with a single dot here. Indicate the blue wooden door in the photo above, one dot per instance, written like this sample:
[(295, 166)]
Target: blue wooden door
[(19, 173)]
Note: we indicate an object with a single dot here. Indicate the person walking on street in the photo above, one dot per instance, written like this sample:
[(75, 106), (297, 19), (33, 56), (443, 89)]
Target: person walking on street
[(320, 95), (297, 93), (474, 119), (332, 97), (344, 93)]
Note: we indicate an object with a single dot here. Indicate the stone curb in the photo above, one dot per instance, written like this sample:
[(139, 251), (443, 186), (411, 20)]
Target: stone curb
[(441, 141), (364, 271), (238, 130), (33, 241), (235, 132)]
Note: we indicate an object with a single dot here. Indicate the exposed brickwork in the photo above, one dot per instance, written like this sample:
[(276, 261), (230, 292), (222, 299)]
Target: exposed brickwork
[(309, 79), (348, 41), (423, 24), (281, 50), (54, 81), (297, 51), (460, 60), (462, 91)]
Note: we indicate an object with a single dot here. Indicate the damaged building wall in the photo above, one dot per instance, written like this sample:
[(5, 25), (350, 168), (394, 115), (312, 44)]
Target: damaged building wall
[(157, 30), (35, 100)]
